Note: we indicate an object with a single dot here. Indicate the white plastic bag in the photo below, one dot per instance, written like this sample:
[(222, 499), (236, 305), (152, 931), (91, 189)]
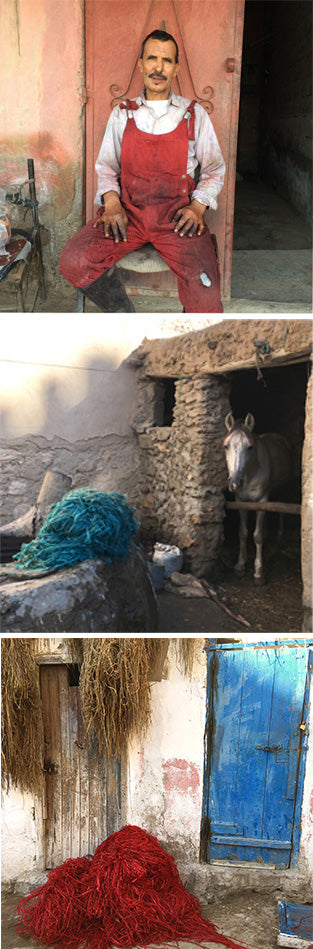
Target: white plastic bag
[(171, 557)]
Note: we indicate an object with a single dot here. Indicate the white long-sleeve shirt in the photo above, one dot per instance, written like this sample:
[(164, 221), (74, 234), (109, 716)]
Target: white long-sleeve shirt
[(157, 118)]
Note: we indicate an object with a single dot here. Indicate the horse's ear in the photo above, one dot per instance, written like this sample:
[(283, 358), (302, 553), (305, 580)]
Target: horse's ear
[(229, 421), (249, 421)]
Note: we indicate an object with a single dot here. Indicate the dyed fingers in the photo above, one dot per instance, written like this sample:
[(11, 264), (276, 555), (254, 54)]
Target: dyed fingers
[(117, 223), (183, 223), (187, 223)]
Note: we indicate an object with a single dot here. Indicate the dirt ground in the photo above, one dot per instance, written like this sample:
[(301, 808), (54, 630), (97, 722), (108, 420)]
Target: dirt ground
[(248, 918), (275, 606)]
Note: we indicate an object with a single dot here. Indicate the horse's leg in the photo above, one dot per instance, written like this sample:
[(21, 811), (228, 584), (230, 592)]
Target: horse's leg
[(243, 534), (258, 540)]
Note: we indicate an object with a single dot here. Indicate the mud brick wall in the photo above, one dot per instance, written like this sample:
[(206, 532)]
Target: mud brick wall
[(183, 472)]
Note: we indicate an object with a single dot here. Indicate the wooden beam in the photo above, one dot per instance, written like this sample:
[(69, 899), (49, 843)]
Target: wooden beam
[(279, 506)]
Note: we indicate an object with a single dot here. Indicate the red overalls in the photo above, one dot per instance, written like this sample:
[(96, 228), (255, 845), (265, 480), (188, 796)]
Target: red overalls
[(154, 185)]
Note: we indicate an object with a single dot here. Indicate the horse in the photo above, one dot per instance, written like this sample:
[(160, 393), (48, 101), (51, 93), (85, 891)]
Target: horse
[(257, 465)]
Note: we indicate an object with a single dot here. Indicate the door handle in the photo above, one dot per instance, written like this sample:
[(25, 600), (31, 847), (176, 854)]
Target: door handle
[(269, 747)]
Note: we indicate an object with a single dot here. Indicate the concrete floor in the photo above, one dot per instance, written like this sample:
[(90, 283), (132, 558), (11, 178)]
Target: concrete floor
[(248, 918), (272, 258)]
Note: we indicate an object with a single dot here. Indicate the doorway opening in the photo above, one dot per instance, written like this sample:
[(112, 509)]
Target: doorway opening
[(277, 402), (273, 182), (164, 401), (168, 399)]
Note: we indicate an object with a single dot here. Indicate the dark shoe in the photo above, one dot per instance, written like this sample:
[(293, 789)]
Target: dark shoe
[(109, 294)]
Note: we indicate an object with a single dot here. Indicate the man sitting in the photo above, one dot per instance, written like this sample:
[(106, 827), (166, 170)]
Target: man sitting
[(147, 192)]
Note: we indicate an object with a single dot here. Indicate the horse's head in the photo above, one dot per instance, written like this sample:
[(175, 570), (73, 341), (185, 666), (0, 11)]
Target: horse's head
[(238, 445)]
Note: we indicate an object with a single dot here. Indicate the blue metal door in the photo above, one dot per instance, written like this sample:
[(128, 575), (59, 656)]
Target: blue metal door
[(256, 739)]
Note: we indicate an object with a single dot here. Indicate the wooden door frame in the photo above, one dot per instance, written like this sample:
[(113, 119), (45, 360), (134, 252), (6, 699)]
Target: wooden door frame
[(231, 159)]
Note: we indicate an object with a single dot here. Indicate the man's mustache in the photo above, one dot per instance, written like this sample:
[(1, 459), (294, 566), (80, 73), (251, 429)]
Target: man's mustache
[(156, 75)]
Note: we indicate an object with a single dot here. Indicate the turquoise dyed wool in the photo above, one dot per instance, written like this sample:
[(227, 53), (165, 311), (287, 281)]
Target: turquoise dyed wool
[(85, 524)]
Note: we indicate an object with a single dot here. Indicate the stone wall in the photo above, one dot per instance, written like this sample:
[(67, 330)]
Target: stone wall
[(183, 471), (104, 463), (182, 466)]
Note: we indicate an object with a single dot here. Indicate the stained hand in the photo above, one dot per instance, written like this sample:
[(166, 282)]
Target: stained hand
[(114, 218), (189, 219)]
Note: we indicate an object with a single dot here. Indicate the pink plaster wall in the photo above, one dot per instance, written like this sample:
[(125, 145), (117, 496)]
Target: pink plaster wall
[(42, 113), (182, 793), (180, 777)]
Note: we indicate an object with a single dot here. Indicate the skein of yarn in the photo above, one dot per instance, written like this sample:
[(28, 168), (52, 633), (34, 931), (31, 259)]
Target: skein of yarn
[(84, 524), (129, 893)]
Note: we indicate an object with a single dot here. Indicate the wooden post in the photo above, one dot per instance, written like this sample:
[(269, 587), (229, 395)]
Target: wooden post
[(24, 528), (279, 507), (55, 484)]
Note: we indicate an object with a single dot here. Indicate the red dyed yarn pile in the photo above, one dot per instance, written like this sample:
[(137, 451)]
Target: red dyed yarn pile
[(53, 912), (128, 894)]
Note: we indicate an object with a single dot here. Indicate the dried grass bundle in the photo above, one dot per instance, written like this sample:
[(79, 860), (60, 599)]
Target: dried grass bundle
[(186, 650), (21, 717), (115, 689)]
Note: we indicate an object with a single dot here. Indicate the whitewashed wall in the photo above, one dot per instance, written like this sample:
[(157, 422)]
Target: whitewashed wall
[(48, 361), (21, 828), (166, 768), (166, 771)]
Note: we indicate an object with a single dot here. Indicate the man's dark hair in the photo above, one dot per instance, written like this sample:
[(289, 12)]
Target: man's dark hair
[(159, 35)]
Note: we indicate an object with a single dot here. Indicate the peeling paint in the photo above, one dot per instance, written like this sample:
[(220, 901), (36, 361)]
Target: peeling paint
[(182, 776)]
